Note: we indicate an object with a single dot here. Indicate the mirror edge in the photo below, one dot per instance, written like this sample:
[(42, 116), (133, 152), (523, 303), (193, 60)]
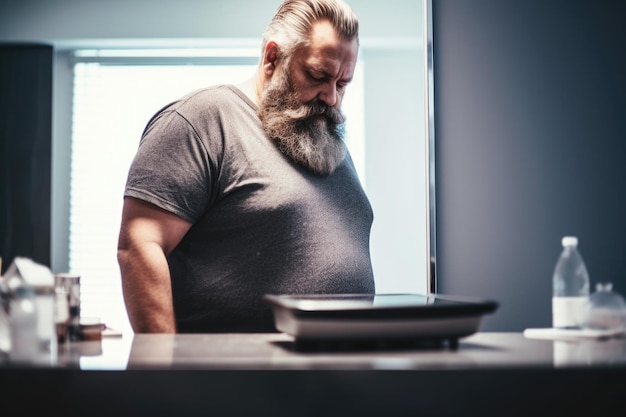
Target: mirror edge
[(431, 220)]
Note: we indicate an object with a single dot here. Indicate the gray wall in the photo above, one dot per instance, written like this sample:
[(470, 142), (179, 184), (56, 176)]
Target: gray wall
[(530, 118)]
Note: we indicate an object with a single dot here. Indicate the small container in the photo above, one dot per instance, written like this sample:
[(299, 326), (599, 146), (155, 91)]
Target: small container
[(71, 283), (61, 313), (46, 334), (90, 329), (606, 309), (23, 324)]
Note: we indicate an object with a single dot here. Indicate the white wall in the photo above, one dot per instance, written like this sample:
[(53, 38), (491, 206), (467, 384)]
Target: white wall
[(392, 51)]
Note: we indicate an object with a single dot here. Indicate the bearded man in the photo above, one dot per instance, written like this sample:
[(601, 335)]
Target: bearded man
[(240, 191)]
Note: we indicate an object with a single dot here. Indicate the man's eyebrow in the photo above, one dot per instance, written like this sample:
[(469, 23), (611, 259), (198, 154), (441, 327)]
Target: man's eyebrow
[(327, 74), (320, 70)]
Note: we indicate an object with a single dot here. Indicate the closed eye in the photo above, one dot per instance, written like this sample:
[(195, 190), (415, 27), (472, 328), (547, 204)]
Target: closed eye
[(316, 79)]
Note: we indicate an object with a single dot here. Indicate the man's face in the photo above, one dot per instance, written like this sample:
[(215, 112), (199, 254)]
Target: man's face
[(300, 105), (323, 70)]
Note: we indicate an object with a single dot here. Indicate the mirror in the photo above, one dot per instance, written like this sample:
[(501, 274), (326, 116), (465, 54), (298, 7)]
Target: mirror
[(396, 172)]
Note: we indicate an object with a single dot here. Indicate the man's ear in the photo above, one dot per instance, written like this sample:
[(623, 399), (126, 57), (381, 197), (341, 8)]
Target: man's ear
[(271, 55)]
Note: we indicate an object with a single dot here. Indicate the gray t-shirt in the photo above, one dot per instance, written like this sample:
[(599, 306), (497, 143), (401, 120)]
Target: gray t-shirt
[(261, 223)]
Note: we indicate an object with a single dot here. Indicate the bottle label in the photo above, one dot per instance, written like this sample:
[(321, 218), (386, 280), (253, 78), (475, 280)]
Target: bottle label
[(568, 311)]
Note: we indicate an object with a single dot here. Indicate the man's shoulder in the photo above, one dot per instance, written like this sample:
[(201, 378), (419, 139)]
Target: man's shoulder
[(204, 104), (216, 96)]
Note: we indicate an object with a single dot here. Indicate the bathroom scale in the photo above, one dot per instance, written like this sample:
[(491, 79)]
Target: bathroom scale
[(322, 319)]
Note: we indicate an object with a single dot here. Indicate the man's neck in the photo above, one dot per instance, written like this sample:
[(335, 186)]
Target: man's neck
[(252, 88)]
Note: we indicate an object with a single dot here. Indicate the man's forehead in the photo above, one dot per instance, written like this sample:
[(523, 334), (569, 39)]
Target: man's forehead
[(327, 51)]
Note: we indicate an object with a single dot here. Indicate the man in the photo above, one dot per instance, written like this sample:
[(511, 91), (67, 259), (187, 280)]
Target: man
[(237, 192)]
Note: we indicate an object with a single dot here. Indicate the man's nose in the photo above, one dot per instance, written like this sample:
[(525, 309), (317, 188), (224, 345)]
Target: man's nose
[(328, 94)]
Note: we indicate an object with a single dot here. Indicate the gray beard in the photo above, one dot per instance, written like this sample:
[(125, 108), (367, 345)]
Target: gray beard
[(311, 134)]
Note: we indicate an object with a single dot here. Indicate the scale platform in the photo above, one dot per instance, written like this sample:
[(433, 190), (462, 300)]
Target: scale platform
[(330, 321)]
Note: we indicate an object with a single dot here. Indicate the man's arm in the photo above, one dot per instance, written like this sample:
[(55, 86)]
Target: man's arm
[(147, 235)]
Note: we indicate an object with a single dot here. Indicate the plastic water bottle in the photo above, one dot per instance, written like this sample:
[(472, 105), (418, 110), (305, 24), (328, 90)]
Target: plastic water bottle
[(570, 292)]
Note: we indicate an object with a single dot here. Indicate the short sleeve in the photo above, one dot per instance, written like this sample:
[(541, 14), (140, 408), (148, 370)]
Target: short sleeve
[(172, 168)]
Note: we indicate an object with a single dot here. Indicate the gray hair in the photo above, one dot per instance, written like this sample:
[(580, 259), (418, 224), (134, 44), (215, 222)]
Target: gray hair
[(291, 25)]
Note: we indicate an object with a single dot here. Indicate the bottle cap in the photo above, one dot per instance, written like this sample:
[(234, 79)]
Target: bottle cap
[(569, 241)]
